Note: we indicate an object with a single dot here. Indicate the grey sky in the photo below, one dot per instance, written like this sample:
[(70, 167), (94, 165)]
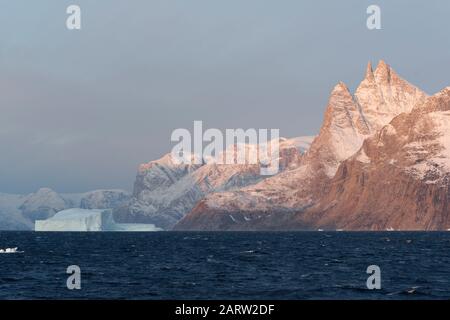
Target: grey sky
[(79, 110)]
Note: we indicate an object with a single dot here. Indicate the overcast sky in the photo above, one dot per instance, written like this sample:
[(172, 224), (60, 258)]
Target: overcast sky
[(80, 110)]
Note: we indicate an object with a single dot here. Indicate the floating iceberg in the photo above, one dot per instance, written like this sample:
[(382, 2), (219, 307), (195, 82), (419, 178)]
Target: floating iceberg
[(88, 220)]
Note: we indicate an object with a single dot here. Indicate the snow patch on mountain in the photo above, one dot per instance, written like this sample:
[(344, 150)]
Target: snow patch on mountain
[(11, 217), (432, 156)]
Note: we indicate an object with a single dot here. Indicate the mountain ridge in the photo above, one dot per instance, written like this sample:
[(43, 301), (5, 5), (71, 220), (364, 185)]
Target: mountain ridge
[(381, 161), (165, 191), (349, 121)]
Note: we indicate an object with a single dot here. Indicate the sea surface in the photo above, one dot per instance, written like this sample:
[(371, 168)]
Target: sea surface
[(241, 265)]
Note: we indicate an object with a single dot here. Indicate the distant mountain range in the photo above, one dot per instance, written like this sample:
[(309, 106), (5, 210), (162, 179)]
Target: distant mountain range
[(18, 212), (381, 161)]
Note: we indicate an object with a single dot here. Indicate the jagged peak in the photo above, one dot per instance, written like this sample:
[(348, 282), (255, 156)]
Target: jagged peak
[(339, 107), (384, 76), (383, 72), (340, 96), (383, 65), (339, 88), (369, 71)]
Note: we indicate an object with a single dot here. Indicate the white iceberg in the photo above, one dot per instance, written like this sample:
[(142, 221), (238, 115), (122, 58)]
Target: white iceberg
[(88, 220)]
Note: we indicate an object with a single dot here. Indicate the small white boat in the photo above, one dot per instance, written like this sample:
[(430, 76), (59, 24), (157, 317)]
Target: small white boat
[(9, 250), (390, 229), (320, 230)]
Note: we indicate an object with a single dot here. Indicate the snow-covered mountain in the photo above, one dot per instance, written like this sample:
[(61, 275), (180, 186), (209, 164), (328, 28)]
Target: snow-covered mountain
[(103, 199), (11, 217), (165, 191), (18, 212), (380, 161), (42, 205), (348, 121)]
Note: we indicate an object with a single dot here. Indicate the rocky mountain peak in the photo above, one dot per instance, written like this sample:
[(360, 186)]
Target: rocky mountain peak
[(369, 72), (383, 72), (340, 107), (342, 131), (399, 179), (383, 94), (340, 88)]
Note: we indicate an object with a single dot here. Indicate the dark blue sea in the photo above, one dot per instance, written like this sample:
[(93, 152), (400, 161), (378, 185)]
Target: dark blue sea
[(241, 265)]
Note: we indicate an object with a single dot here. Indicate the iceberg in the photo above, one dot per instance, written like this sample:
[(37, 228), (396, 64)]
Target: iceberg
[(84, 220)]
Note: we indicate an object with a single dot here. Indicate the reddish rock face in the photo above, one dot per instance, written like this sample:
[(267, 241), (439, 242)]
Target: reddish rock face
[(399, 179)]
